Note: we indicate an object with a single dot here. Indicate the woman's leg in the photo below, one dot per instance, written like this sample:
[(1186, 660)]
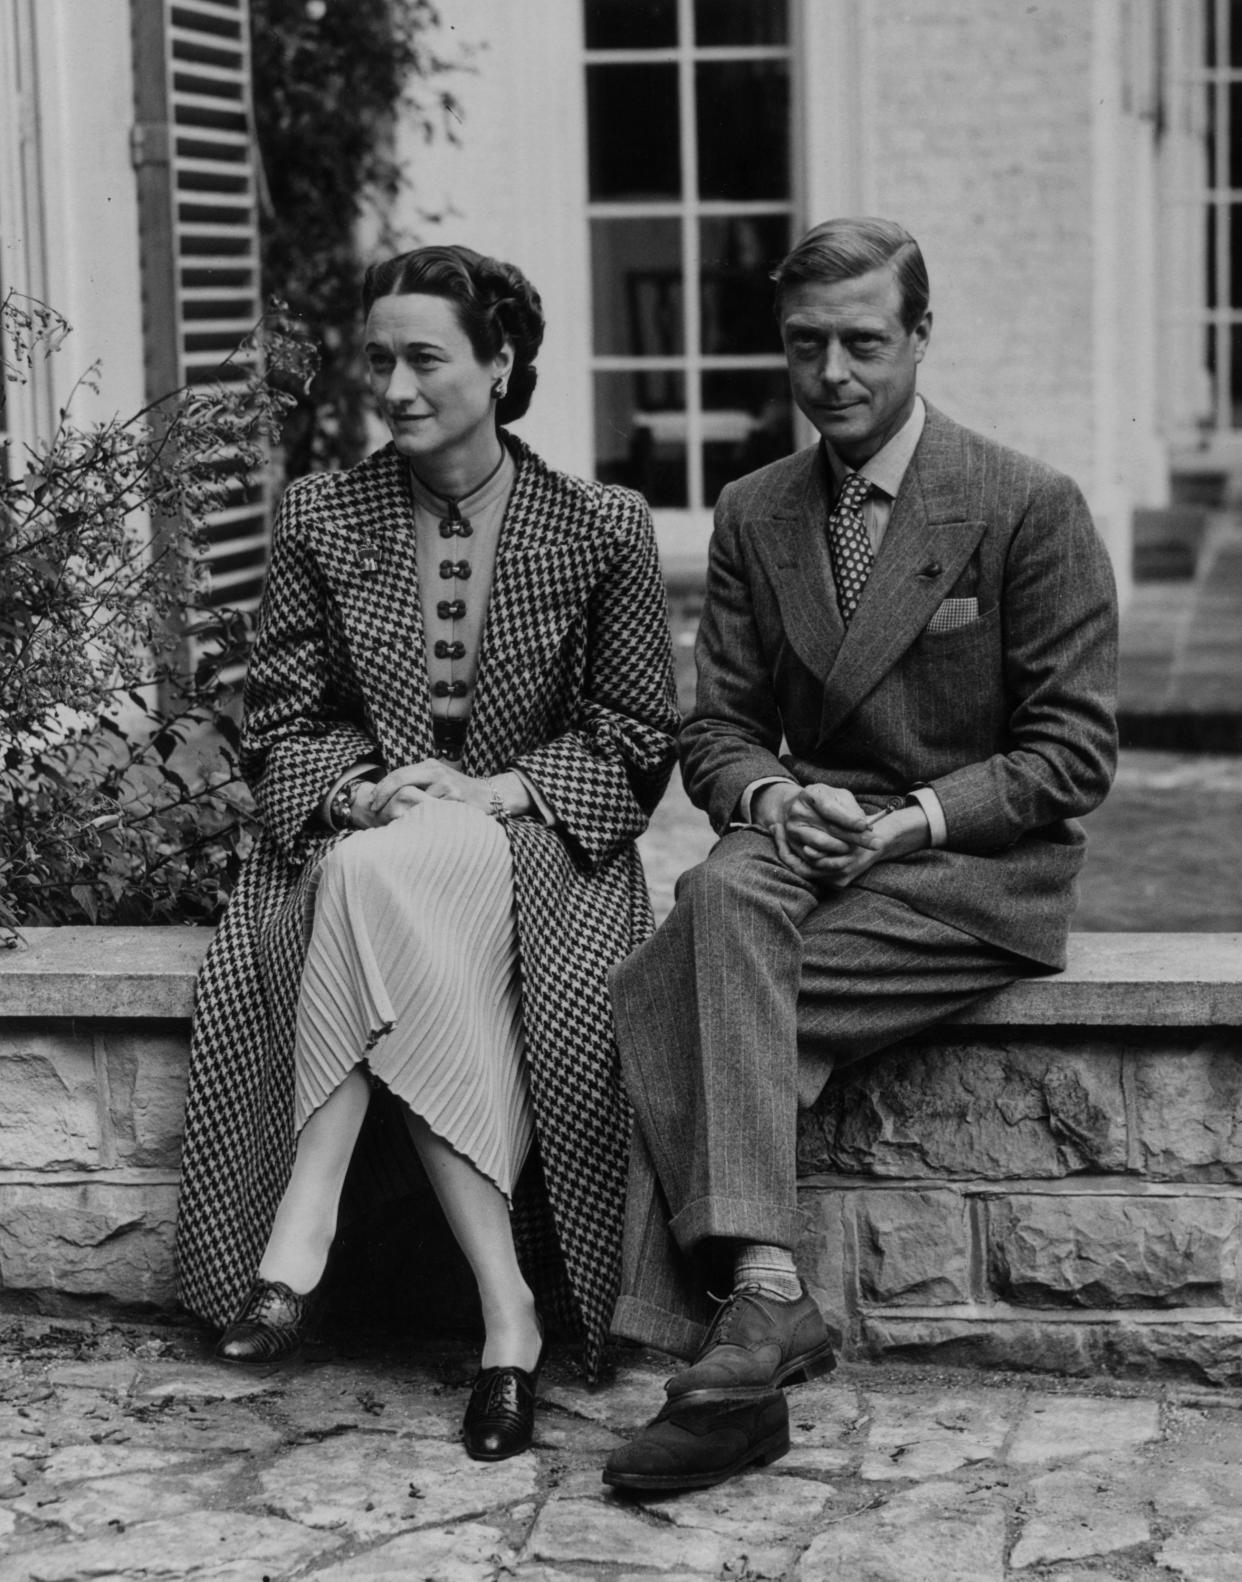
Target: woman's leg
[(305, 1223), (478, 1216)]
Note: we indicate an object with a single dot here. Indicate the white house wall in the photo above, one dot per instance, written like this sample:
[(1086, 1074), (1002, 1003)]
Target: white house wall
[(1012, 140), (68, 214), (1012, 157), (515, 186)]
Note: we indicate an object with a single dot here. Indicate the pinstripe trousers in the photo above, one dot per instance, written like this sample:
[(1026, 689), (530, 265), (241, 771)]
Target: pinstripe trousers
[(732, 1014)]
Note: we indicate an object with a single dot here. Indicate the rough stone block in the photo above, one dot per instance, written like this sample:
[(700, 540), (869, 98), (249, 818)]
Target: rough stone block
[(1188, 1109), (50, 1117), (89, 1238), (1204, 1351), (146, 1090), (990, 1109), (823, 1256), (979, 1343), (1194, 1347), (1085, 1250), (913, 1247)]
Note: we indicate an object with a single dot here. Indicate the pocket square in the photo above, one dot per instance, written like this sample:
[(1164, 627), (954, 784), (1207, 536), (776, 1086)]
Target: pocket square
[(954, 613)]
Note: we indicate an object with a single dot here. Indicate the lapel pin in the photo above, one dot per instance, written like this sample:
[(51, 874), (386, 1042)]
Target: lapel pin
[(368, 559), (932, 569)]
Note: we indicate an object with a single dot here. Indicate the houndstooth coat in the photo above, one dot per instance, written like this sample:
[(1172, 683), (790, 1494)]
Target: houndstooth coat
[(575, 688)]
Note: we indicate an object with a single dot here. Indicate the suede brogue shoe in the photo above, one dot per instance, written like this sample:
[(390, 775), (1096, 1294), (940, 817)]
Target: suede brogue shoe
[(271, 1325), (500, 1414), (757, 1342), (700, 1440)]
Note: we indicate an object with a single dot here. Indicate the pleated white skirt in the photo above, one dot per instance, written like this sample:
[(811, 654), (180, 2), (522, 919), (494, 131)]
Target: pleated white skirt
[(412, 966)]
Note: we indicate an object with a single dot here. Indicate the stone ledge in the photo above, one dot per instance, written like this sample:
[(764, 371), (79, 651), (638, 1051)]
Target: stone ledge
[(1129, 980), (1199, 1344), (1016, 1186), (108, 973)]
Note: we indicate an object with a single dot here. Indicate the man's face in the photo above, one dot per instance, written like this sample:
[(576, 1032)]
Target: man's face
[(851, 363)]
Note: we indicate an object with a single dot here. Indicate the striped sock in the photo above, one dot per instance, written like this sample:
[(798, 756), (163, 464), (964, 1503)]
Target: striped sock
[(772, 1269)]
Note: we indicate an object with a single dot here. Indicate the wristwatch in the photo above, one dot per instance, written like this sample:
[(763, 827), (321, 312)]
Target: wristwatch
[(342, 805)]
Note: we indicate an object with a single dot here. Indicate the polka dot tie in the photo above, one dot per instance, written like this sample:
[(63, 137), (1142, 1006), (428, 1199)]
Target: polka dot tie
[(848, 544)]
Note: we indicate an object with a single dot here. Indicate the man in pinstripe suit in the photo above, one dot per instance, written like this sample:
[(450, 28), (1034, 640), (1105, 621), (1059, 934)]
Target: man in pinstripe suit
[(906, 673)]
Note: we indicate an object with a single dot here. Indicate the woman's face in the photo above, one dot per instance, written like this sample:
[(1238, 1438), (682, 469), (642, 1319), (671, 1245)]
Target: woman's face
[(434, 393)]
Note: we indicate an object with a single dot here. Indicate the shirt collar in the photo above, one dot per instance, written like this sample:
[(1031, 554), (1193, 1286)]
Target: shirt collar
[(888, 466)]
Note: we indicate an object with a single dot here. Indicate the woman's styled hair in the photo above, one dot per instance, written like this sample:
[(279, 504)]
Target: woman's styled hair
[(845, 249), (494, 303)]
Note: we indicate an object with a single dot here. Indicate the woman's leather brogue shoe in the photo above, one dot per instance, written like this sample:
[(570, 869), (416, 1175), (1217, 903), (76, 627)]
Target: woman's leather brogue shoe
[(500, 1414), (272, 1324)]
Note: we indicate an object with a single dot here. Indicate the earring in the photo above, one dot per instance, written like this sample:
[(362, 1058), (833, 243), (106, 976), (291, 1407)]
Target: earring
[(499, 388)]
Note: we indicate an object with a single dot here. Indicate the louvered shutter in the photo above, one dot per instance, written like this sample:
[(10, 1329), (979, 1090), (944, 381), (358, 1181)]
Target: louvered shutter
[(195, 157)]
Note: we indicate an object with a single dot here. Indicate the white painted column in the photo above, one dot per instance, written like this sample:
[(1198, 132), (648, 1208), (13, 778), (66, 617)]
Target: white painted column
[(516, 186)]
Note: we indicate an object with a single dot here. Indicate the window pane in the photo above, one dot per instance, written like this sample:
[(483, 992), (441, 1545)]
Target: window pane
[(1210, 93), (1235, 376), (1209, 30), (738, 255), (1235, 33), (638, 445), (747, 421), (1235, 135), (741, 22), (630, 24), (742, 112), (636, 282), (1234, 213), (633, 133), (1210, 256)]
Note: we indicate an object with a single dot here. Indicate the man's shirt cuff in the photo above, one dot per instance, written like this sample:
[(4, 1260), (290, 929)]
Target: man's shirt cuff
[(753, 789), (933, 812)]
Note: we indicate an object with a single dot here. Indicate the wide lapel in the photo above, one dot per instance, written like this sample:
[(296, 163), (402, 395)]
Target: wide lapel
[(927, 544), (365, 542), (792, 545), (549, 556)]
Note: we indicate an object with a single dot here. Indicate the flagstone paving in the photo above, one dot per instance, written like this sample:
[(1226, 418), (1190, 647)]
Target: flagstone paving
[(126, 1453)]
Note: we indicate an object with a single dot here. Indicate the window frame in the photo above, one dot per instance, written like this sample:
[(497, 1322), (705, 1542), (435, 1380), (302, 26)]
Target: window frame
[(689, 212)]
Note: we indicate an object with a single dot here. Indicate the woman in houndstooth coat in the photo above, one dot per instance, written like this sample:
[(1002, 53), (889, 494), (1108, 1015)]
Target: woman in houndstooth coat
[(459, 715)]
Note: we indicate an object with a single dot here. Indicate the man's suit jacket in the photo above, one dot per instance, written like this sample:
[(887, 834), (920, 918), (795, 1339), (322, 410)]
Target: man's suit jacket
[(1009, 718)]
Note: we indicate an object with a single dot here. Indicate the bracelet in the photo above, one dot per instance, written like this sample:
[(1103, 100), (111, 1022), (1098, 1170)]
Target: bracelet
[(496, 806)]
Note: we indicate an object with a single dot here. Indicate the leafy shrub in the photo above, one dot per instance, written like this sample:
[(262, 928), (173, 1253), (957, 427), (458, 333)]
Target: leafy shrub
[(119, 790), (330, 179)]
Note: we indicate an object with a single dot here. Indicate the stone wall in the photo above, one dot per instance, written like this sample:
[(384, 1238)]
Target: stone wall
[(1062, 1191), (93, 1041), (1052, 1181)]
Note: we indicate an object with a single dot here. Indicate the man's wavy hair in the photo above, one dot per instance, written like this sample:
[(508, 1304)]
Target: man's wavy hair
[(845, 249)]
